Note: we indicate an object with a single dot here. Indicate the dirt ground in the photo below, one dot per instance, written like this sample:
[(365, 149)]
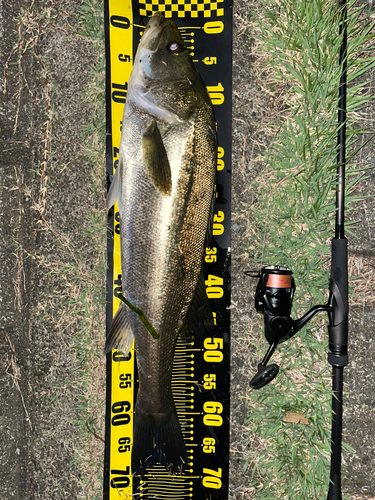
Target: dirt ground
[(38, 436), (41, 230)]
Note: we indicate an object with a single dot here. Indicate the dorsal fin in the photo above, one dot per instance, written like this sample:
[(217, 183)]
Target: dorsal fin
[(199, 319)]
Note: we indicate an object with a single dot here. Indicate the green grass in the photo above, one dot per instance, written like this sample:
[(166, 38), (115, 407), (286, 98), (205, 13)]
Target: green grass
[(294, 217), (88, 342)]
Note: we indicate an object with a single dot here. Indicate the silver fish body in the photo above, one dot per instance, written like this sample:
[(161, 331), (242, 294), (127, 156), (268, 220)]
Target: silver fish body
[(165, 185)]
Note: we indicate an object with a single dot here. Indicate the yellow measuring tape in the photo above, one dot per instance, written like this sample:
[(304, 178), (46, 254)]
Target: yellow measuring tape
[(200, 379), (122, 370)]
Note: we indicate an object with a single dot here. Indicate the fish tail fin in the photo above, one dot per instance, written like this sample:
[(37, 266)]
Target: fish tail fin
[(120, 335), (158, 442)]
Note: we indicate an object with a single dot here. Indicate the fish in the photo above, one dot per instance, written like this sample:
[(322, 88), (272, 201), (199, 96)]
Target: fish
[(165, 186)]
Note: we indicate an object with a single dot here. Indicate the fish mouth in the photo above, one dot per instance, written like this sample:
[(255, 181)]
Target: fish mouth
[(147, 46), (156, 20), (153, 30)]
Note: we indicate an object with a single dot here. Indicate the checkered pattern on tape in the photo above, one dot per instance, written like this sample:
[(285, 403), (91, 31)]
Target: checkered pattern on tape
[(169, 7)]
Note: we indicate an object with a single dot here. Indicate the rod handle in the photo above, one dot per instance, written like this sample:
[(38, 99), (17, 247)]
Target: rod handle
[(338, 327)]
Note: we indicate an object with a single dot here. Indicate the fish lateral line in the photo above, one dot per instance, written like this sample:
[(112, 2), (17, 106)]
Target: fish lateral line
[(141, 315)]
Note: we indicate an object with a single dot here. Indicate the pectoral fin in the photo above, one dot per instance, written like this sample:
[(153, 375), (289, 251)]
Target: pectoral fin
[(155, 159)]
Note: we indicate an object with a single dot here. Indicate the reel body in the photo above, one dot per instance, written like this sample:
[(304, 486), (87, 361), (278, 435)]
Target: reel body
[(274, 299)]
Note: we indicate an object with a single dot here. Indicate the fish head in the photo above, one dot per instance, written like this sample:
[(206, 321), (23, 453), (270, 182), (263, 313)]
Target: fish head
[(164, 80)]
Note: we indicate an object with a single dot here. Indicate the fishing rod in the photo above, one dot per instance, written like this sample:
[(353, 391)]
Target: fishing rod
[(276, 286)]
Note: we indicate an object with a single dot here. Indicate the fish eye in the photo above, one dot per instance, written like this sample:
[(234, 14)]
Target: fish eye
[(176, 48)]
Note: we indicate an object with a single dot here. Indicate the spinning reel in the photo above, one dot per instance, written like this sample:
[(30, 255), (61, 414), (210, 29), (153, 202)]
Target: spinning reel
[(274, 298)]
